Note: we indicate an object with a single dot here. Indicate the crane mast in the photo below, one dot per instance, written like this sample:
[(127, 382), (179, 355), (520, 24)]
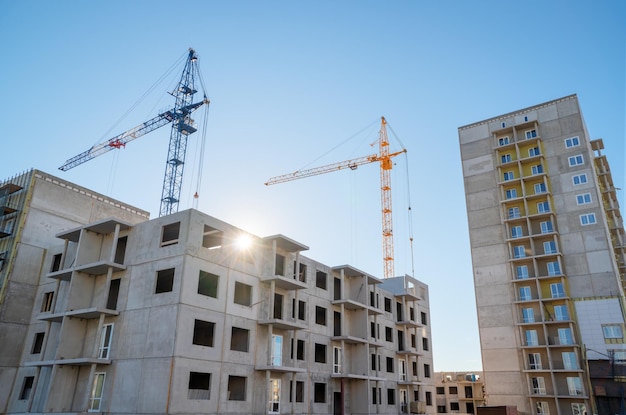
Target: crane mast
[(384, 157)]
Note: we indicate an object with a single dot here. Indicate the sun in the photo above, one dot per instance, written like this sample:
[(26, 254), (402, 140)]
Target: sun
[(243, 242)]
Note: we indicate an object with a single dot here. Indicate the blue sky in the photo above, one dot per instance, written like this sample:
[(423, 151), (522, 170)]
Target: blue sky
[(291, 80)]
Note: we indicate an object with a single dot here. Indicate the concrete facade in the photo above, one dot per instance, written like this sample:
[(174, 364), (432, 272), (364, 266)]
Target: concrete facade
[(174, 315), (547, 245), (459, 392)]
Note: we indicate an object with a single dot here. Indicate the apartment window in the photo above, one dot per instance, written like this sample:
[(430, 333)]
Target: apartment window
[(372, 329), (522, 272), (46, 303), (243, 294), (576, 160), (207, 284), (390, 365), (300, 350), (411, 314), (424, 318), (531, 338), (114, 292), (236, 388), (277, 350), (320, 353), (528, 315), (531, 134), (239, 339), (203, 332), (565, 336), (612, 331), (426, 370), (414, 368), (37, 343), (572, 142), (525, 294), (534, 151), (56, 262), (299, 391), (546, 227), (413, 341), (579, 179), (539, 385), (388, 334), (274, 397), (321, 279), (441, 390), (514, 213), (553, 268), (424, 343), (211, 237), (588, 219), (336, 359), (561, 313), (373, 361), (508, 175), (391, 396), (516, 232), (388, 304), (579, 409), (377, 397), (557, 290), (583, 199), (505, 158), (574, 386), (540, 188), (536, 169), (453, 390), (164, 281), (320, 315), (402, 370), (199, 386), (569, 361), (503, 141), (106, 336), (319, 392), (301, 274), (534, 361), (301, 310), (619, 356), (549, 247), (429, 399), (542, 408), (543, 207), (519, 251), (279, 265), (27, 387), (278, 306), (97, 389), (510, 193), (170, 234)]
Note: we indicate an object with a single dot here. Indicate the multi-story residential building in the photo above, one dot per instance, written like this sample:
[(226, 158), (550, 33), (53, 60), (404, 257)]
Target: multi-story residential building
[(547, 245), (176, 315), (459, 392)]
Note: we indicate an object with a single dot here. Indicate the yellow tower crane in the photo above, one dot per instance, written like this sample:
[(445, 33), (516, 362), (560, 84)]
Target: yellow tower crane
[(384, 157)]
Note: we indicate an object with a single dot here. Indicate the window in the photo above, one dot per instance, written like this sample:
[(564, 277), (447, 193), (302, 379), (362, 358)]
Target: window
[(505, 158), (583, 199), (540, 188), (372, 329), (279, 265), (236, 388), (440, 390), (561, 313), (389, 364), (425, 344), (114, 292), (199, 386), (574, 386), (243, 293), (336, 359), (426, 370), (441, 409), (388, 334), (106, 336), (565, 336), (413, 341), (391, 396), (525, 294), (319, 392), (539, 386), (301, 274), (429, 399), (320, 353), (531, 134), (557, 290), (376, 397), (301, 310), (534, 361), (579, 179), (510, 193), (170, 234), (572, 142), (454, 406), (56, 262), (239, 339), (411, 314), (579, 409), (453, 390), (531, 338), (569, 361), (299, 391), (373, 361), (46, 304), (320, 279), (164, 281), (203, 332), (274, 397), (554, 268), (612, 331), (27, 387), (320, 315), (277, 350), (546, 227), (388, 304), (508, 175), (588, 219), (534, 151), (211, 237), (37, 343), (95, 398), (514, 213), (549, 247), (528, 315), (522, 272), (576, 160), (536, 169), (542, 408), (402, 370), (424, 318), (516, 232), (207, 284), (543, 207), (519, 251), (300, 350)]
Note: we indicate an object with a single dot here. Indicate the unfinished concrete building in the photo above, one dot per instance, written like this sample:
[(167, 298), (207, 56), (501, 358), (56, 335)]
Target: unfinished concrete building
[(459, 392), (175, 315), (547, 244)]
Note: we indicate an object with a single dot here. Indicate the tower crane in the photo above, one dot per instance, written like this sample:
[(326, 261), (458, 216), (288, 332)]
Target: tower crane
[(384, 157), (182, 127)]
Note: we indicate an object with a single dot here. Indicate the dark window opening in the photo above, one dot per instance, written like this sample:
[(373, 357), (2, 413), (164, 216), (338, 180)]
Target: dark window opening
[(211, 237), (120, 250), (27, 386), (203, 332), (301, 274), (388, 334), (170, 234), (400, 340), (469, 393), (56, 262), (280, 265), (114, 292), (425, 344), (239, 339), (37, 343), (319, 394), (320, 279), (299, 391), (199, 385), (243, 294), (207, 284), (300, 350), (337, 323), (46, 304), (391, 396), (441, 390), (388, 304), (424, 319), (236, 388), (278, 306), (320, 353), (165, 281), (337, 289), (320, 315), (453, 390), (389, 364), (399, 312)]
